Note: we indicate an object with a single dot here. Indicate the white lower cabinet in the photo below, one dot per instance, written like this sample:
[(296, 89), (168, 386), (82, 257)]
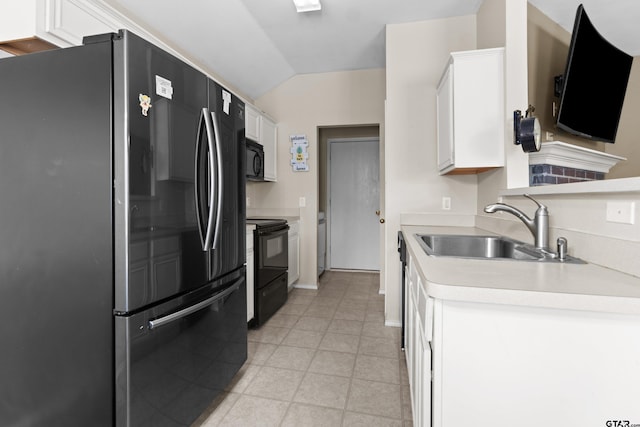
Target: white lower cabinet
[(294, 252), (486, 364), (534, 366), (419, 312), (250, 274)]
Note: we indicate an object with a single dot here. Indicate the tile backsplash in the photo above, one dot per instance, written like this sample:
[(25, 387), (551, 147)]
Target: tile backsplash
[(545, 174)]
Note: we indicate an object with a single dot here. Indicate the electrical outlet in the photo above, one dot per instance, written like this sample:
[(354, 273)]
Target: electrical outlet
[(446, 203), (302, 202), (621, 212), (548, 136)]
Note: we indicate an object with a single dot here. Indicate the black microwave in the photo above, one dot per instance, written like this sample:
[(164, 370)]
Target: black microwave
[(255, 161)]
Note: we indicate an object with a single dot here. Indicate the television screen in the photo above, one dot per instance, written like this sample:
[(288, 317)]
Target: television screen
[(595, 82)]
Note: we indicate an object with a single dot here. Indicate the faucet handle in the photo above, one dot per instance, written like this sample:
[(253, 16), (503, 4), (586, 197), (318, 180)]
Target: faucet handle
[(540, 205), (562, 248)]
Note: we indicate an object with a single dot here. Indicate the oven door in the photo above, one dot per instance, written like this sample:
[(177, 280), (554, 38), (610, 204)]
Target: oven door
[(272, 253)]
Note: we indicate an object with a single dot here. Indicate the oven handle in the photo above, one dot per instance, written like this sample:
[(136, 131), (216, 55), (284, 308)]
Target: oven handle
[(269, 233), (165, 320)]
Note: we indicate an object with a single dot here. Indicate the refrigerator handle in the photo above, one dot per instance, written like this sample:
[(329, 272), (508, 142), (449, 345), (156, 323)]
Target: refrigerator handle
[(219, 189), (207, 236), (165, 320)]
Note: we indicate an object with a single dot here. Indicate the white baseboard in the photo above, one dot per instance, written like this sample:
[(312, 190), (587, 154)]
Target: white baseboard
[(305, 286), (392, 323)]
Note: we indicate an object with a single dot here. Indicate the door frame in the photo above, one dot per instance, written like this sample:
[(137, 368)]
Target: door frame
[(327, 213)]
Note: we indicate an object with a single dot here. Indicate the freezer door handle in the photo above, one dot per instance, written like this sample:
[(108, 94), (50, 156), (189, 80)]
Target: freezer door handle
[(218, 152), (165, 320)]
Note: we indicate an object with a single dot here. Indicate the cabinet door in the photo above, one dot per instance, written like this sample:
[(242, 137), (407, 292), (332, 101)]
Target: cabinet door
[(294, 266), (445, 120), (250, 286), (470, 112), (268, 139), (417, 383), (71, 20), (252, 123), (250, 276)]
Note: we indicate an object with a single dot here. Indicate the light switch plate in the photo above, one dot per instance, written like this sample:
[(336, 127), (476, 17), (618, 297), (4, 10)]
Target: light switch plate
[(302, 202), (621, 212)]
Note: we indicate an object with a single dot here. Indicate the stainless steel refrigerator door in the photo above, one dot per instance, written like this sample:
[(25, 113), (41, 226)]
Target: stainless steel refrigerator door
[(173, 360), (230, 252), (56, 293), (158, 101)]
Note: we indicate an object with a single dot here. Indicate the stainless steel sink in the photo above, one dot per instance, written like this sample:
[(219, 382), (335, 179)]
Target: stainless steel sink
[(485, 247)]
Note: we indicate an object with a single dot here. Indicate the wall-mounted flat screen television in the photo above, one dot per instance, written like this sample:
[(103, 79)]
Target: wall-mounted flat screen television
[(594, 83)]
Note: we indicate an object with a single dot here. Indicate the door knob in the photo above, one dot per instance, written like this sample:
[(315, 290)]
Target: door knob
[(381, 220)]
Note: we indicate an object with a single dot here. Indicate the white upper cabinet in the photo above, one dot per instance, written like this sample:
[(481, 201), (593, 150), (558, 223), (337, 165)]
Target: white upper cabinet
[(33, 25), (252, 123), (268, 139), (470, 108), (263, 130)]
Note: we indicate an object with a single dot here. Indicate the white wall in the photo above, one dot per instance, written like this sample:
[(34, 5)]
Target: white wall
[(416, 56), (301, 105)]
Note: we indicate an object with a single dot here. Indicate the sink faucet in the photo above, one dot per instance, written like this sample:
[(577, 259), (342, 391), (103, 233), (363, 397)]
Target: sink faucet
[(539, 226)]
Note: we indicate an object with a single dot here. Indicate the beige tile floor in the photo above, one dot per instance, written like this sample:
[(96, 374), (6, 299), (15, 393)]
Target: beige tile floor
[(324, 359)]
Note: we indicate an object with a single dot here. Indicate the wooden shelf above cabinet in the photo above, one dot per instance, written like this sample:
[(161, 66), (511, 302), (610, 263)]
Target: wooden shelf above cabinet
[(469, 171), (28, 45)]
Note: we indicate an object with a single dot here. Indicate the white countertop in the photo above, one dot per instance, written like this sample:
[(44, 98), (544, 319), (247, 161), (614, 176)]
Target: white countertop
[(288, 218), (541, 284)]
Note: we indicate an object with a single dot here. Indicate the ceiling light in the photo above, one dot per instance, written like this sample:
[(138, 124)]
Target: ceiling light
[(307, 5)]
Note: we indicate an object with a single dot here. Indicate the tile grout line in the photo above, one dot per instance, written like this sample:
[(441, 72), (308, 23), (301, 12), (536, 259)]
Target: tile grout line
[(369, 306)]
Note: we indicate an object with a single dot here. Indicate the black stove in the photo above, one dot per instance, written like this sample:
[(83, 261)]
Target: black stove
[(271, 262)]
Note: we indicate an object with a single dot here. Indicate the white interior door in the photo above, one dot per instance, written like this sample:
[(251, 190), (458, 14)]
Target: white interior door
[(354, 170)]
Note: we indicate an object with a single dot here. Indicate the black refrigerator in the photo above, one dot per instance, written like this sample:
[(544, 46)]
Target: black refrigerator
[(122, 237)]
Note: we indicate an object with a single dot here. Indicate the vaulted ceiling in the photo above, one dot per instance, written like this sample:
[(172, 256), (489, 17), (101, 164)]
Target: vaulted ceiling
[(257, 44)]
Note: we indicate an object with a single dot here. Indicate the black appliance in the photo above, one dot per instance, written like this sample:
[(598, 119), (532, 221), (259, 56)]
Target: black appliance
[(402, 251), (271, 258), (594, 84), (122, 237), (255, 161)]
